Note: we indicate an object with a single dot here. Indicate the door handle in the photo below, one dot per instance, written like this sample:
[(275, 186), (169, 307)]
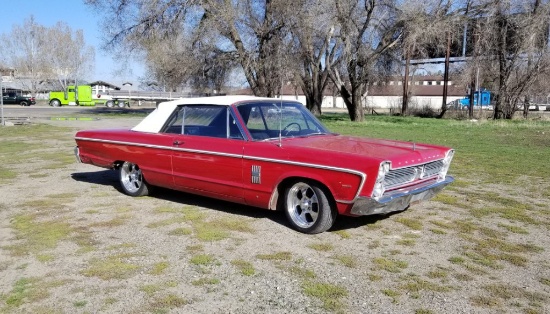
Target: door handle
[(177, 143)]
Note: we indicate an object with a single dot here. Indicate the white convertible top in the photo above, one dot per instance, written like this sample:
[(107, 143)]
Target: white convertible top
[(156, 119)]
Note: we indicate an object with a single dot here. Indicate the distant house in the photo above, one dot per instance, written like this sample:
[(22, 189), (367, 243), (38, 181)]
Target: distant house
[(102, 87), (423, 91)]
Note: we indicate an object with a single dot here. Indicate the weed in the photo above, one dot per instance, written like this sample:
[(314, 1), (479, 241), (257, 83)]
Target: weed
[(205, 281), (414, 224), (44, 258), (112, 267), (194, 248), (484, 301), (456, 260), (28, 290), (514, 229), (389, 265), (203, 260), (392, 294), (545, 281), (245, 267), (329, 294), (438, 273), (81, 303), (167, 222), (406, 242), (438, 231), (37, 235), (170, 301), (302, 272), (423, 311), (463, 277), (150, 290), (323, 247), (278, 256), (206, 231), (159, 268), (343, 234), (115, 222), (180, 231), (416, 284), (346, 260), (447, 199)]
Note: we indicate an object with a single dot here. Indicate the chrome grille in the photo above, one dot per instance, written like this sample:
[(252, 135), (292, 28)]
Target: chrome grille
[(406, 175)]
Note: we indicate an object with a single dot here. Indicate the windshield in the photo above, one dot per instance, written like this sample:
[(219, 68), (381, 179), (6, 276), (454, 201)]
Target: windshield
[(266, 120)]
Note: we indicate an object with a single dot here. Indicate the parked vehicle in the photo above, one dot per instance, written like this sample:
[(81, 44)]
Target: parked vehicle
[(80, 95), (17, 99), (481, 98), (267, 153)]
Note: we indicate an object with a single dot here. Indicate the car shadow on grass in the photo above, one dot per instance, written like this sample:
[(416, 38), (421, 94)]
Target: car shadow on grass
[(110, 178)]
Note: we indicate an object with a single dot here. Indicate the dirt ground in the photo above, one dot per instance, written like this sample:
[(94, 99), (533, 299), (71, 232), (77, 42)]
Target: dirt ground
[(72, 242)]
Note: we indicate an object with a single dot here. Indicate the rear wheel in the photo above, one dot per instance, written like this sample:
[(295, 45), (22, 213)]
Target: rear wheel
[(308, 208), (132, 181), (110, 103), (121, 104), (24, 103), (55, 103)]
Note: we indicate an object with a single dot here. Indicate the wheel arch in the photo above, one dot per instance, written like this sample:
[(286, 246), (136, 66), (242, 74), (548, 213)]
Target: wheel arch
[(54, 99), (278, 192)]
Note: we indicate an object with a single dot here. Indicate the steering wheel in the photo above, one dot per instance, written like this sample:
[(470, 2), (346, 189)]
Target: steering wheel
[(286, 131)]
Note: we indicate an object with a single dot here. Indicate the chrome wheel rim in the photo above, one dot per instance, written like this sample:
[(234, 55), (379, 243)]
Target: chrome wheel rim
[(302, 205), (130, 176)]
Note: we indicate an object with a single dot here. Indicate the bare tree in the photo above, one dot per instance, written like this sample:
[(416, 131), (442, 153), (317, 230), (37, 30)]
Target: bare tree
[(313, 47), (39, 53), (250, 33), (23, 50), (514, 41), (366, 31), (68, 58)]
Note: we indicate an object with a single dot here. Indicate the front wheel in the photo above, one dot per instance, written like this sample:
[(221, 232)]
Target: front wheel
[(24, 103), (308, 208), (132, 181), (55, 103)]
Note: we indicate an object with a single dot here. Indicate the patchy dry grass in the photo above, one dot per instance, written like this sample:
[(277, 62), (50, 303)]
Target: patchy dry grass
[(37, 235), (246, 268), (112, 267), (390, 265), (322, 247), (414, 224), (27, 290), (278, 256), (346, 260), (327, 293)]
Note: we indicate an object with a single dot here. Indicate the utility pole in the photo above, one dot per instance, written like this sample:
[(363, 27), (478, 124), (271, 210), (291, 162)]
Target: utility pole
[(2, 100)]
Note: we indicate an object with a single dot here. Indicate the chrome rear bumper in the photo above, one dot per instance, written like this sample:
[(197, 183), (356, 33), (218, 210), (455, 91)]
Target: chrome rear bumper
[(398, 200)]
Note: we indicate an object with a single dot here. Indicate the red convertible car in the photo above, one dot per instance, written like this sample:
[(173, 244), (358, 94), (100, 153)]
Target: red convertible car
[(267, 153)]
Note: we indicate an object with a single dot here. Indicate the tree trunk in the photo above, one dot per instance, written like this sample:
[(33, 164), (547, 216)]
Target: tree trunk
[(471, 98), (405, 104), (446, 76)]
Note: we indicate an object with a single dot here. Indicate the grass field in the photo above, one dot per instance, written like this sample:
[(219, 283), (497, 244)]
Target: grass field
[(70, 245)]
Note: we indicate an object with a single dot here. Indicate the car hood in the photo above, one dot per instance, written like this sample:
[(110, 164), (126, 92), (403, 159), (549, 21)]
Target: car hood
[(400, 153)]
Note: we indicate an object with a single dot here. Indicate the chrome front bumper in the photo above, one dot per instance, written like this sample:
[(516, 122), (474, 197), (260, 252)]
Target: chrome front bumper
[(398, 200), (77, 154)]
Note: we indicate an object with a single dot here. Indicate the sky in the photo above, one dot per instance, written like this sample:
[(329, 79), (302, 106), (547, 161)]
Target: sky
[(78, 16)]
